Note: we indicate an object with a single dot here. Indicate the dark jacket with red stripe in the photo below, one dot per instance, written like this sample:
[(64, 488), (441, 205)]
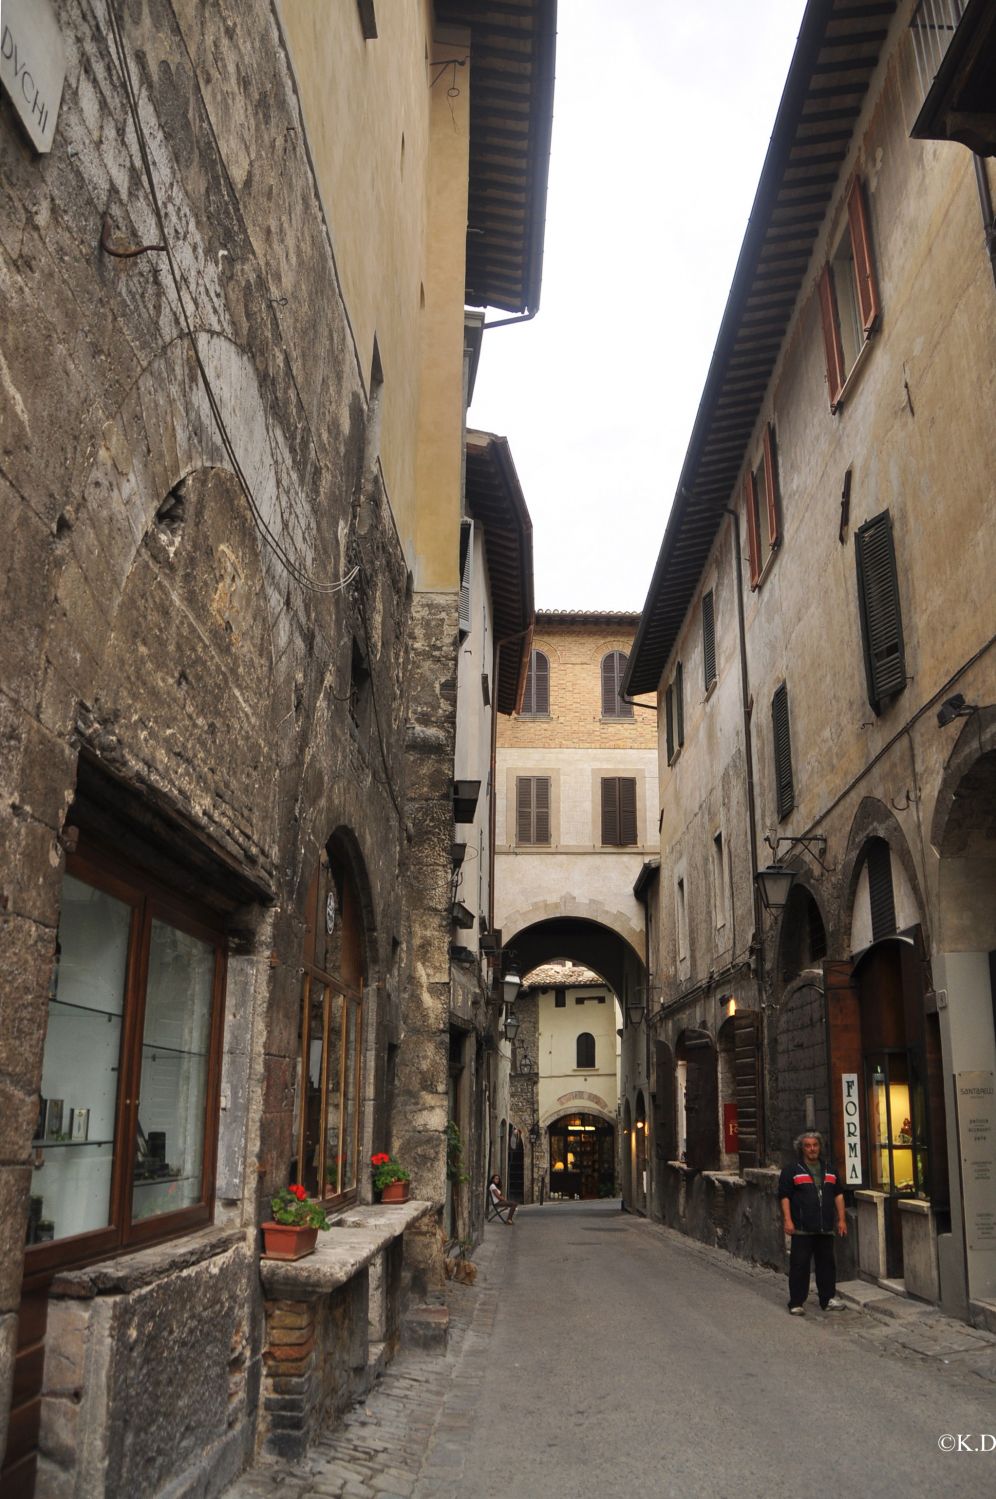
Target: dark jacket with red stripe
[(813, 1208)]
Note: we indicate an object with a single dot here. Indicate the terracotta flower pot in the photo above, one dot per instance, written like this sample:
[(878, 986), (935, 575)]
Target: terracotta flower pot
[(288, 1241), (395, 1192)]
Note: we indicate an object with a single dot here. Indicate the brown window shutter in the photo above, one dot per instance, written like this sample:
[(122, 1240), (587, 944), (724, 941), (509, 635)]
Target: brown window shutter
[(843, 1017), (524, 809), (753, 538), (747, 1081), (610, 692), (881, 618), (541, 804), (880, 893), (586, 1049), (864, 269), (665, 1144), (669, 722), (771, 486), (679, 704), (541, 682), (784, 787), (831, 338), (708, 639), (627, 810), (702, 1107), (610, 812)]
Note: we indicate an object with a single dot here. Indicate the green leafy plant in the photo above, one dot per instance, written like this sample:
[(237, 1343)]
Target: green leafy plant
[(454, 1155), (387, 1170), (293, 1207)]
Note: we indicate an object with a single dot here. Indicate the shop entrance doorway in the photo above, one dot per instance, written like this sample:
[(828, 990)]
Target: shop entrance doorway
[(582, 1157)]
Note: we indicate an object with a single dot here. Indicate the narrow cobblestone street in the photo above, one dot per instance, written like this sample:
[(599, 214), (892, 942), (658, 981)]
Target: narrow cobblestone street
[(555, 1374)]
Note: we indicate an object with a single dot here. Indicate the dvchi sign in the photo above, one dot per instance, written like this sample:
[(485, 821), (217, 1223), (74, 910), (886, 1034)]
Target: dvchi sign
[(33, 66), (853, 1173)]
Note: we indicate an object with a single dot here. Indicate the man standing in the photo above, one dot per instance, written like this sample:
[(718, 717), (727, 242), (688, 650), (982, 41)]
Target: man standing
[(812, 1200)]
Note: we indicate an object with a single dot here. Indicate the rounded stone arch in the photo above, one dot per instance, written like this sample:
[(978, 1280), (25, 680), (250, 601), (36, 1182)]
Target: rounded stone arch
[(801, 1068), (343, 848), (802, 941), (873, 819), (583, 930), (627, 1151), (975, 743), (963, 837)]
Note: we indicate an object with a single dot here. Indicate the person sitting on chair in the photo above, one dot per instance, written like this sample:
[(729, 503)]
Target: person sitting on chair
[(498, 1199)]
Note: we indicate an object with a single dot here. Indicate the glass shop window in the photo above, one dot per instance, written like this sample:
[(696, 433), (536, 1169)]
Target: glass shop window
[(897, 1123), (124, 1143), (327, 1093)]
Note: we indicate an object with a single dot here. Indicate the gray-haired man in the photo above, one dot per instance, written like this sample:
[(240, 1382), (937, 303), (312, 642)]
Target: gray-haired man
[(812, 1201)]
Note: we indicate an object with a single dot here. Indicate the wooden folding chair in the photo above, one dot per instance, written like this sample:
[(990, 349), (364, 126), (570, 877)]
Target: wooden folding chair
[(495, 1210)]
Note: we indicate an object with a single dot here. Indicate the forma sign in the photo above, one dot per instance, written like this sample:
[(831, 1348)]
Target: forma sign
[(33, 66), (853, 1174)]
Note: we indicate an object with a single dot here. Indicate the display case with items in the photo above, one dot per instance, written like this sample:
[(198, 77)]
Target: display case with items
[(896, 1125), (131, 1052)]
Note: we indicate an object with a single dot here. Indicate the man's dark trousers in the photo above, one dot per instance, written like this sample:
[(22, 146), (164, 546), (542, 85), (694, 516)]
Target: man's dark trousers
[(804, 1249)]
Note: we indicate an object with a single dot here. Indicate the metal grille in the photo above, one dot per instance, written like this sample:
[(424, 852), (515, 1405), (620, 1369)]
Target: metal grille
[(932, 26)]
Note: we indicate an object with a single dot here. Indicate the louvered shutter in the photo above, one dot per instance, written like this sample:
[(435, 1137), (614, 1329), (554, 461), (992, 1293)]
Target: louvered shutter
[(843, 1018), (880, 892), (610, 812), (627, 810), (679, 703), (586, 1050), (609, 690), (541, 683), (524, 810), (701, 1106), (771, 486), (466, 563), (881, 619), (665, 1144), (669, 722), (784, 788), (864, 269), (541, 809), (708, 640), (747, 1081), (753, 538), (831, 338)]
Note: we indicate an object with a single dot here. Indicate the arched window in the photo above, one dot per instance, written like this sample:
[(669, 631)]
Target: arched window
[(613, 671), (536, 698), (586, 1049)]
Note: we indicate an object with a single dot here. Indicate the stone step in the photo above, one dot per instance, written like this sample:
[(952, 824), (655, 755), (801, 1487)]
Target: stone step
[(426, 1328)]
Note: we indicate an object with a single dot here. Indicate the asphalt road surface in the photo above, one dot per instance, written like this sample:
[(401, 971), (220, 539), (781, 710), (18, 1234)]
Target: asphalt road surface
[(625, 1360)]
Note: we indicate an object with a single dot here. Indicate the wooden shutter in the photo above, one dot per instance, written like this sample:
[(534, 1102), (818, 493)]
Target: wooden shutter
[(618, 811), (669, 722), (664, 1104), (524, 809), (613, 671), (627, 810), (784, 788), (831, 338), (880, 893), (536, 698), (843, 1019), (753, 536), (610, 812), (701, 1105), (864, 270), (466, 563), (771, 486), (541, 809), (708, 639), (679, 703), (586, 1050), (747, 1071), (881, 618)]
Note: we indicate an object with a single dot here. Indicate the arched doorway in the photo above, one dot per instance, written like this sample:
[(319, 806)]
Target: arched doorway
[(582, 1157), (516, 1167)]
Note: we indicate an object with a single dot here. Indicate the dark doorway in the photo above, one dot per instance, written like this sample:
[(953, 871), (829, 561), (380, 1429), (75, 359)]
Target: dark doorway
[(582, 1157), (516, 1167)]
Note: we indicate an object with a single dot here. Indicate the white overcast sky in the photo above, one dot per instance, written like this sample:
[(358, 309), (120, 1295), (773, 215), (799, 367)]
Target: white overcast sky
[(662, 115)]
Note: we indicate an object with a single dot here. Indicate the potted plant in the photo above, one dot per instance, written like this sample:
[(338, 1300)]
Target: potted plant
[(293, 1230), (390, 1178)]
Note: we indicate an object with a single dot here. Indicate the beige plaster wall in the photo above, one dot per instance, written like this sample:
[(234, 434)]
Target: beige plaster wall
[(575, 651)]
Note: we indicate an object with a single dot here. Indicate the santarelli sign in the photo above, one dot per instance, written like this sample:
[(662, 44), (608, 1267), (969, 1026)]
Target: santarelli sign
[(33, 66)]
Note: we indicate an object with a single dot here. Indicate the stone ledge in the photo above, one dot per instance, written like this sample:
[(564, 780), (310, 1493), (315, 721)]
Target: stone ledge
[(913, 1205), (762, 1176), (143, 1267), (348, 1247)]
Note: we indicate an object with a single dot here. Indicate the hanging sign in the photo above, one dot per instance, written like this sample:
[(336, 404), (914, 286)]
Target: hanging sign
[(976, 1093), (33, 66), (853, 1170)]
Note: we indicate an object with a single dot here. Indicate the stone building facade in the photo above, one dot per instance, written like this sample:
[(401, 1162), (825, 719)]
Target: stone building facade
[(576, 819), (232, 486), (813, 626)]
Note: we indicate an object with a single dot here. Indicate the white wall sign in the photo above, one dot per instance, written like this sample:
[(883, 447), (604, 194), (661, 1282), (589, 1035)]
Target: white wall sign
[(33, 66), (853, 1173), (976, 1092)]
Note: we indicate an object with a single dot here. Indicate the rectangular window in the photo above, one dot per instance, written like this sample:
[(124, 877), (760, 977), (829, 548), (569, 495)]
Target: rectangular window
[(719, 880), (466, 567), (560, 999), (532, 810), (681, 919), (536, 697), (679, 704), (618, 811), (784, 788), (762, 509), (669, 721), (881, 617), (708, 640), (849, 302), (125, 1141)]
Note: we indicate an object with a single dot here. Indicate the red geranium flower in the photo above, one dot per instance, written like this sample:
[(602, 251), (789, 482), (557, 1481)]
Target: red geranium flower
[(299, 1192), (380, 1159)]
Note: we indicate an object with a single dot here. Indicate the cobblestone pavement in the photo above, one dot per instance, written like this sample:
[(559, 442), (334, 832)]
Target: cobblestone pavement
[(412, 1435)]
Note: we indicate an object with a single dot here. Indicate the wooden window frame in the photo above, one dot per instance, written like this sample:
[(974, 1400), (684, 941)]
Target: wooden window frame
[(533, 812), (755, 503), (536, 694), (619, 812), (864, 291), (148, 900), (613, 670)]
